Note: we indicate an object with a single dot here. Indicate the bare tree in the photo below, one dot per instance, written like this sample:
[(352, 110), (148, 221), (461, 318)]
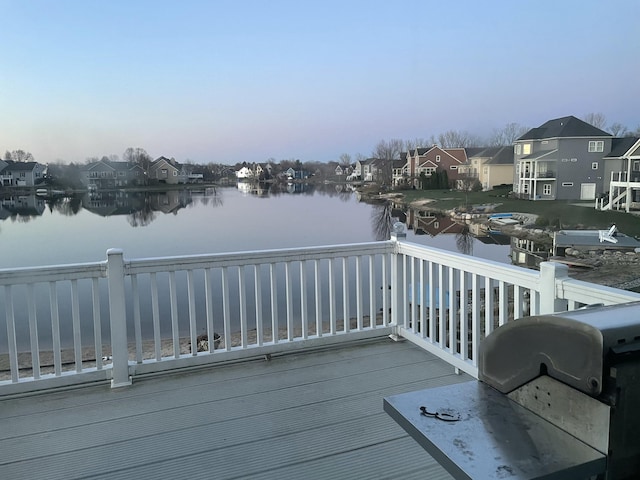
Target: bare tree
[(416, 143), (618, 130), (507, 134), (385, 153), (598, 120), (345, 160), (137, 155), (18, 156), (458, 139)]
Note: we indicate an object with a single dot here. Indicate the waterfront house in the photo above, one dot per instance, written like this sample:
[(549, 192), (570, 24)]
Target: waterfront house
[(428, 160), (111, 174), (366, 170), (21, 174), (244, 173), (167, 170), (400, 173), (562, 159), (622, 175), (491, 166), (4, 180)]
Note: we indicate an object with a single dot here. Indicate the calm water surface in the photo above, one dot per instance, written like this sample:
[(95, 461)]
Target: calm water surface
[(211, 221)]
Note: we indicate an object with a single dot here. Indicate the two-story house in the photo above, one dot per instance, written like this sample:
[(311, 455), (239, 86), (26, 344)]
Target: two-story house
[(365, 170), (22, 174), (622, 175), (110, 174), (167, 170), (432, 159), (491, 166), (561, 159)]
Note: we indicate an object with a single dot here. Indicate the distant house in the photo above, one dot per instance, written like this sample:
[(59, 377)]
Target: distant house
[(4, 180), (109, 174), (21, 174), (427, 161), (561, 160), (366, 170), (293, 174), (491, 166), (167, 170), (244, 173)]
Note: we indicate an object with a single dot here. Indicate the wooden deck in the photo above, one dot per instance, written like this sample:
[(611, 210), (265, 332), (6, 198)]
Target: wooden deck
[(312, 415)]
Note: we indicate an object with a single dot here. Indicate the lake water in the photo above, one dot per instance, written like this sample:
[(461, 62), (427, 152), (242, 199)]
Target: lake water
[(36, 232)]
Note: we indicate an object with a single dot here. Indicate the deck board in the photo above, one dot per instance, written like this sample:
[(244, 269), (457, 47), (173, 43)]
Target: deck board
[(305, 415)]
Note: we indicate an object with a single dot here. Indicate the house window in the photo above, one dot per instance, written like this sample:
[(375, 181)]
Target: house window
[(453, 167), (565, 160), (526, 149), (574, 160), (518, 149), (437, 158), (175, 174), (596, 145), (594, 165), (546, 189), (525, 188), (636, 165), (567, 184)]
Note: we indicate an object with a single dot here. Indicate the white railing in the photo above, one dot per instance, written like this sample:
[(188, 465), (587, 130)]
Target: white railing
[(461, 299), (117, 319)]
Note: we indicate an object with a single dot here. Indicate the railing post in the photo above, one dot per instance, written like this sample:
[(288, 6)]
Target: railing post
[(397, 276), (550, 273), (118, 319)]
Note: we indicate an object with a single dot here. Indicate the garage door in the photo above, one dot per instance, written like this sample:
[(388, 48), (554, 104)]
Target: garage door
[(587, 191)]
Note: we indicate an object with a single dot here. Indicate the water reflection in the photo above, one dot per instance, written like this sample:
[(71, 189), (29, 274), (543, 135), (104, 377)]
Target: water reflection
[(142, 208), (382, 221)]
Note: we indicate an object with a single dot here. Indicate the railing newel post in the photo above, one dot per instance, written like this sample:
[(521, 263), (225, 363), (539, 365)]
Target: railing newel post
[(397, 274), (550, 273), (118, 319)]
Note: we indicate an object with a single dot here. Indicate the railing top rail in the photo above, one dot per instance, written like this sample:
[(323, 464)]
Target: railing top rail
[(498, 271), (23, 275), (165, 264), (585, 292)]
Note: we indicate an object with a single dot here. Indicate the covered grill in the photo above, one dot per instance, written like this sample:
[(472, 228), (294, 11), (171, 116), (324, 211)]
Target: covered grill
[(578, 370), (558, 397)]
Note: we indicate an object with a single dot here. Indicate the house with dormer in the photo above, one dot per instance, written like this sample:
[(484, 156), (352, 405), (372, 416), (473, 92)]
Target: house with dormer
[(167, 170), (562, 159)]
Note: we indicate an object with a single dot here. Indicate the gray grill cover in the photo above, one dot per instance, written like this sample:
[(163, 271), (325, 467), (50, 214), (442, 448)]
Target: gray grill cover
[(570, 347)]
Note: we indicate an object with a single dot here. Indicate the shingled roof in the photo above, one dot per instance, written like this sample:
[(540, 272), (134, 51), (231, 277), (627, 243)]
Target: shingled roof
[(564, 127), (620, 146)]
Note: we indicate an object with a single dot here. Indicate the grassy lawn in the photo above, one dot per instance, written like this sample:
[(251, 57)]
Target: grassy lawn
[(566, 214)]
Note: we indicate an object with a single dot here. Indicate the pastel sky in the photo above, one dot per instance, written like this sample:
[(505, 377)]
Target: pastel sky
[(228, 81)]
